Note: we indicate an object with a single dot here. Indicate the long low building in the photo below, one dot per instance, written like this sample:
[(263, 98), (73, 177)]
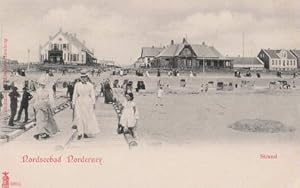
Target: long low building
[(251, 63)]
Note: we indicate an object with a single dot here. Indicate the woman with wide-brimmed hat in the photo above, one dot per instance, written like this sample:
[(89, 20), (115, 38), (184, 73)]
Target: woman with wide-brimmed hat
[(83, 104), (43, 106)]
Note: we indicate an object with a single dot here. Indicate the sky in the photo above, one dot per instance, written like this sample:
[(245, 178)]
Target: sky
[(117, 29)]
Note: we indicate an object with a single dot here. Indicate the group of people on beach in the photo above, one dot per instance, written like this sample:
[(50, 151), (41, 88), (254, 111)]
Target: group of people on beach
[(83, 98)]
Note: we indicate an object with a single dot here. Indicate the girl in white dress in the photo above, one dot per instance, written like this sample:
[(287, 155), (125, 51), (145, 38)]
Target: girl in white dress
[(130, 116)]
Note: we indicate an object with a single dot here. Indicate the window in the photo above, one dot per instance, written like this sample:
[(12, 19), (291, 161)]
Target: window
[(82, 56), (64, 46), (272, 61)]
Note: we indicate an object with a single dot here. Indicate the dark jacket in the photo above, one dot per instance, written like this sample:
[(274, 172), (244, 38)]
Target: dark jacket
[(26, 98), (14, 95)]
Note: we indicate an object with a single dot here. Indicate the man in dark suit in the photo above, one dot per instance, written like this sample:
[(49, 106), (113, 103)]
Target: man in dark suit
[(24, 104), (14, 95)]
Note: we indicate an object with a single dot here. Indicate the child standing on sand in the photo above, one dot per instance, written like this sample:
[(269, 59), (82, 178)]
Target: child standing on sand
[(129, 117), (160, 92)]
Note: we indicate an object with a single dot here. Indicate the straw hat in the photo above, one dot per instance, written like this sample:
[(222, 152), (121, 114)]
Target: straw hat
[(84, 73)]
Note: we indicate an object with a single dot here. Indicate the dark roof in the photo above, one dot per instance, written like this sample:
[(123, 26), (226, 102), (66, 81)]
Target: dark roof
[(201, 50), (246, 61), (296, 52), (150, 51), (171, 50), (275, 54)]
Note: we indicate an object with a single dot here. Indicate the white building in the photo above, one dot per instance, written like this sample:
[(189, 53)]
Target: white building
[(279, 60), (66, 48)]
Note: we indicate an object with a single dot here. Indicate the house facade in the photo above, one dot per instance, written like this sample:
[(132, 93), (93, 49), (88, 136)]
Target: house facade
[(148, 54), (65, 48), (278, 60), (297, 54), (190, 56)]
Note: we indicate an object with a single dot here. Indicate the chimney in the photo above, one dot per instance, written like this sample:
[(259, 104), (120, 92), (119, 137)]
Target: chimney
[(183, 40), (172, 42), (152, 46), (203, 43)]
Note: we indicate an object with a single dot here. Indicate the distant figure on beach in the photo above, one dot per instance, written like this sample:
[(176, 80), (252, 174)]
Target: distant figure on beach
[(26, 97), (158, 73), (98, 72), (83, 104), (160, 92), (128, 88), (129, 117), (14, 95), (191, 74), (44, 105), (54, 89), (1, 98), (107, 92), (70, 90), (201, 88), (147, 74), (206, 87)]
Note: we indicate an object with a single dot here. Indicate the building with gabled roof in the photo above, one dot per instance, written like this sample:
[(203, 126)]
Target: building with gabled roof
[(279, 59), (147, 55), (66, 48), (190, 56), (297, 54)]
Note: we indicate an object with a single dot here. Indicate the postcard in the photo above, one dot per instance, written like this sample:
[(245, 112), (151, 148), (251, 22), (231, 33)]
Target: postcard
[(138, 94)]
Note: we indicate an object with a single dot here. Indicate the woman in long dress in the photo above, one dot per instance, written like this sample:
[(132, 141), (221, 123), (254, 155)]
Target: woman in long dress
[(43, 106), (108, 94), (83, 102)]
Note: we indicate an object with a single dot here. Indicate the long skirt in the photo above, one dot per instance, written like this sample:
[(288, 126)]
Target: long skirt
[(85, 117), (45, 122), (108, 96)]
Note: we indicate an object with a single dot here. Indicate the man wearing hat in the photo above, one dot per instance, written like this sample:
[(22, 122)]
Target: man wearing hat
[(24, 104), (14, 95)]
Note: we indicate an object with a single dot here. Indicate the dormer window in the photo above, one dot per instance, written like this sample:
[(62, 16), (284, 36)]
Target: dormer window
[(283, 54)]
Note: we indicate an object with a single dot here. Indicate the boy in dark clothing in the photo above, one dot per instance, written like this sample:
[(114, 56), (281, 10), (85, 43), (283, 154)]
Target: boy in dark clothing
[(14, 95), (24, 104), (70, 91)]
